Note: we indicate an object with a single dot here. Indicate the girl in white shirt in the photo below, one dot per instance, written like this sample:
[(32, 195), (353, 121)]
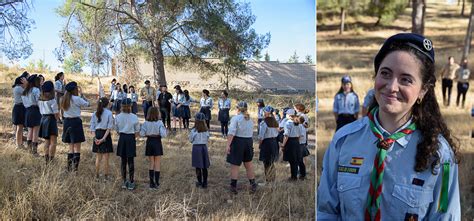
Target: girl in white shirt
[(30, 99), (50, 115)]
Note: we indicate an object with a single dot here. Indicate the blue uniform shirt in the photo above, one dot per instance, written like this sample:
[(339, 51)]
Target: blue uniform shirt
[(240, 127), (368, 98), (106, 121), (348, 163), (223, 104), (346, 103), (196, 137)]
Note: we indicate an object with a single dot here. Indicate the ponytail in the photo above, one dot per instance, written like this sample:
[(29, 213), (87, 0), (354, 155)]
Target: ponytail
[(103, 102), (244, 111), (66, 101)]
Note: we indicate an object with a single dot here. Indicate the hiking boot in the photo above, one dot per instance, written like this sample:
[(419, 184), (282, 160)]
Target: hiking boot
[(125, 184), (131, 186), (253, 188), (198, 184)]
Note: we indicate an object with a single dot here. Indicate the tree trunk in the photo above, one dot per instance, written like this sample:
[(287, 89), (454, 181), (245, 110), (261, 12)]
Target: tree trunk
[(158, 64), (467, 40), (418, 17), (343, 18), (462, 9)]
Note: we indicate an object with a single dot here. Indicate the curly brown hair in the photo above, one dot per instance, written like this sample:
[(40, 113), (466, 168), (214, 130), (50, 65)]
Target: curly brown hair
[(427, 116)]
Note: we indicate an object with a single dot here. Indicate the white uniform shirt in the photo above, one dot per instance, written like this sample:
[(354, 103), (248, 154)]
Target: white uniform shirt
[(303, 132), (48, 107), (223, 104), (292, 130), (17, 92), (240, 127), (207, 102), (153, 128), (32, 98), (198, 138), (267, 132), (127, 123), (134, 97), (75, 107), (58, 86), (106, 121)]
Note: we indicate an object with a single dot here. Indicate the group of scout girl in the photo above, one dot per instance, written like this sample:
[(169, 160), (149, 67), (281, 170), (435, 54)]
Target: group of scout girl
[(40, 105)]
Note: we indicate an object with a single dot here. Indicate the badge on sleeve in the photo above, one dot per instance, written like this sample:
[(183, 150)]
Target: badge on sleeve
[(357, 161)]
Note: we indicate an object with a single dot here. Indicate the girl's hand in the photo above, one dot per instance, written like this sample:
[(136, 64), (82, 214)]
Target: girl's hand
[(228, 149)]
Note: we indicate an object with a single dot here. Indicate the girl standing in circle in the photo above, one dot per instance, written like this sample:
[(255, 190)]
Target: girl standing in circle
[(18, 111), (177, 107), (260, 114), (116, 98), (59, 89), (102, 123), (154, 130), (186, 114), (399, 162), (134, 98), (73, 132), (223, 104), (463, 83), (269, 149), (291, 145), (128, 126), (206, 107), (199, 136), (346, 103), (30, 98), (240, 147), (50, 115)]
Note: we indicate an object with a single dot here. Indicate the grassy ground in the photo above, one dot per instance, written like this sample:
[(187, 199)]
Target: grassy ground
[(31, 190), (353, 52)]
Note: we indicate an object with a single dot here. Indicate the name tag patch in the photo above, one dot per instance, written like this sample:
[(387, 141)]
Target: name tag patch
[(411, 217), (418, 182), (344, 169), (357, 161)]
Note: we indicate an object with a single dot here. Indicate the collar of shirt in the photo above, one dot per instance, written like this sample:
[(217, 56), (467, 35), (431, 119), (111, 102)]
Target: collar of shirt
[(402, 141)]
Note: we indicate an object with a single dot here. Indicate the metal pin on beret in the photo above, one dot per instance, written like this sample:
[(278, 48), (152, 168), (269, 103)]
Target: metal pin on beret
[(71, 86), (415, 41), (268, 109), (200, 116), (127, 101), (47, 86)]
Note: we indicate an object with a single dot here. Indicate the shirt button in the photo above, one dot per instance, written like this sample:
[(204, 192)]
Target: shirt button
[(341, 187)]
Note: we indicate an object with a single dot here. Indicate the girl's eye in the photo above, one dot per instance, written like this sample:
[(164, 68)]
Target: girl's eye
[(406, 81), (385, 74)]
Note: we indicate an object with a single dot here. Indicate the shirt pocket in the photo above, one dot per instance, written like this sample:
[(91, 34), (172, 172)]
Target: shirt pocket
[(350, 198), (415, 200)]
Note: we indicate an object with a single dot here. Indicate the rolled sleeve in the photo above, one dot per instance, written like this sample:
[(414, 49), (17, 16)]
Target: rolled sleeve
[(263, 129), (233, 127), (93, 122)]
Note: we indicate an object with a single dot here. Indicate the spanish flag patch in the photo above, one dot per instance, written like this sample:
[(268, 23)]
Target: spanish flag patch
[(357, 161)]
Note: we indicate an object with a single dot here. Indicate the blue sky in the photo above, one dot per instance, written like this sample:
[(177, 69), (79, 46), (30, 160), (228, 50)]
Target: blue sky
[(290, 23)]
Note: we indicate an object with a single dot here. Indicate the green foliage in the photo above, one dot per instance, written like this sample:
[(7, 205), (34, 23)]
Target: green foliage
[(293, 58), (308, 59), (73, 65), (15, 26), (267, 56), (386, 10), (42, 67)]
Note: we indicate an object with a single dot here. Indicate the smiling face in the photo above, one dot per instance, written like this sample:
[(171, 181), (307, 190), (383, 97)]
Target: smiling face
[(398, 83), (347, 87)]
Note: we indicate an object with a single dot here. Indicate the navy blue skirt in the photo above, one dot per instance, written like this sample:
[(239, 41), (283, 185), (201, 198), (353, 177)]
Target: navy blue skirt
[(185, 112), (48, 126), (116, 105), (18, 114), (304, 150), (73, 132), (106, 146), (175, 110), (134, 108), (292, 150), (32, 116), (154, 147), (241, 150), (223, 115), (207, 112), (200, 156), (269, 150), (127, 145)]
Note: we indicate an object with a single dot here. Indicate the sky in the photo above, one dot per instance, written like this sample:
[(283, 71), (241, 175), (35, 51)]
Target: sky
[(291, 24)]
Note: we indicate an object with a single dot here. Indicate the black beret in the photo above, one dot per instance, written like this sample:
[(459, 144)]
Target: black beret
[(25, 74), (32, 78), (415, 41), (147, 82), (163, 85), (71, 86), (127, 101), (47, 86)]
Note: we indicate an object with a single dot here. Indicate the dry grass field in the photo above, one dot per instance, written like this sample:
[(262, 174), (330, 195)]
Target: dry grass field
[(31, 190), (352, 53)]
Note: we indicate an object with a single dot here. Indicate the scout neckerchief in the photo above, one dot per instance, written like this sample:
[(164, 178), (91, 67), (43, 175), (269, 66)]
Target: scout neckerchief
[(376, 177)]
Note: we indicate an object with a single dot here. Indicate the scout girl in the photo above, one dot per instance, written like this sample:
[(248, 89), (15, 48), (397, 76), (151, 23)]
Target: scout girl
[(101, 125), (269, 149), (30, 98), (239, 146), (18, 111), (128, 127), (59, 89), (153, 129), (177, 108), (260, 114), (134, 97), (291, 145), (199, 137), (346, 103), (116, 98), (223, 104), (49, 116), (400, 162), (73, 132), (206, 106), (186, 113)]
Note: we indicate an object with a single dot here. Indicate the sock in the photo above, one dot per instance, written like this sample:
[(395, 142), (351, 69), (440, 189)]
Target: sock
[(199, 175), (123, 166), (28, 143), (34, 147), (77, 158), (252, 181), (69, 161), (46, 157), (131, 168), (151, 173), (233, 183), (204, 176), (157, 178), (51, 158)]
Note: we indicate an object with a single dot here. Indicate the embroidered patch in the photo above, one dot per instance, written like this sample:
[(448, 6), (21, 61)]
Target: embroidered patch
[(357, 161), (418, 182), (344, 169), (411, 217)]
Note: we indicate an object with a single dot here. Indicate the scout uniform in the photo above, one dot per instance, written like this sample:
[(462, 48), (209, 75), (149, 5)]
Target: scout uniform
[(18, 111), (200, 154), (30, 101), (177, 100), (186, 114), (269, 149), (127, 125), (346, 106), (463, 84), (406, 194), (134, 98), (48, 110), (448, 74), (223, 114), (100, 128), (206, 107), (154, 131), (292, 150), (148, 96), (369, 97), (59, 90)]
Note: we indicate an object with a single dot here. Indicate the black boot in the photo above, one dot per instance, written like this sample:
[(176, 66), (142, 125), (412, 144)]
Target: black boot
[(76, 160), (46, 157), (69, 161), (199, 177), (34, 148), (204, 178), (157, 178), (151, 173)]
